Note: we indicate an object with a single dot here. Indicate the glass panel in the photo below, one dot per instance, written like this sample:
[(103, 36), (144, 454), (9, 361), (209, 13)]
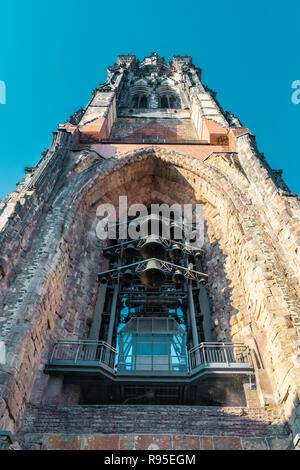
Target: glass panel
[(161, 363), (152, 352), (142, 338), (161, 349), (144, 349), (144, 325), (160, 325), (143, 363)]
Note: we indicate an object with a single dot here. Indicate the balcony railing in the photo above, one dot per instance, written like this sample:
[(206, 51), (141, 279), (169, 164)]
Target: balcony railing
[(222, 355), (234, 357), (83, 352)]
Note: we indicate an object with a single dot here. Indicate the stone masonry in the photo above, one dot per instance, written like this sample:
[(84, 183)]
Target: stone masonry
[(50, 257)]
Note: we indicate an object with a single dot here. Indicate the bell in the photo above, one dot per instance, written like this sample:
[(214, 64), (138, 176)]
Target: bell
[(108, 253), (178, 277), (153, 276), (130, 251), (203, 281), (103, 279), (197, 256), (127, 276), (191, 237), (153, 248), (176, 253)]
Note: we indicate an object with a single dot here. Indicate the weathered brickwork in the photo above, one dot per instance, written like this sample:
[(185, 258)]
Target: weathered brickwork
[(143, 128), (153, 427), (50, 257)]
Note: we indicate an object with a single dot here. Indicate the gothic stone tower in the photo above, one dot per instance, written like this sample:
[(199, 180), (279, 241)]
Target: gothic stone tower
[(101, 348)]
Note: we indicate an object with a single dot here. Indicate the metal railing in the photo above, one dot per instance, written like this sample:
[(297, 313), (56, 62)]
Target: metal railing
[(153, 364), (222, 354), (83, 351), (97, 353)]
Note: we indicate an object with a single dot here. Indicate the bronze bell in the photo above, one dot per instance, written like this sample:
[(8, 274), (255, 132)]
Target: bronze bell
[(153, 276), (178, 276), (108, 253), (197, 256), (127, 276), (176, 253), (191, 237), (103, 279), (130, 251), (203, 281), (153, 248)]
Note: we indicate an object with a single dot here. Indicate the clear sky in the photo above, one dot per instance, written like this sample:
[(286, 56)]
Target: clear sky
[(53, 53)]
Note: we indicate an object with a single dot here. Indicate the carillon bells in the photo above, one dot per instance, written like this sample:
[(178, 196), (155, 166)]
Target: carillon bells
[(178, 276), (153, 276), (153, 248), (155, 225), (176, 253), (192, 237), (127, 276), (130, 251), (108, 253), (103, 279), (197, 256)]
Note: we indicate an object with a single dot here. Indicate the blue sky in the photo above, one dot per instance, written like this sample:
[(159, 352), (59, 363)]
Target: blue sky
[(53, 53)]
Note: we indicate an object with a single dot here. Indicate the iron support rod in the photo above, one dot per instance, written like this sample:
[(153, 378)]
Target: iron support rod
[(204, 308), (114, 304), (225, 352), (192, 315), (97, 319), (113, 313)]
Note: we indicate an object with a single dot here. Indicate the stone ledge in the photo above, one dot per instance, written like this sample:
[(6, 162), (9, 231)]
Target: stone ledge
[(157, 442)]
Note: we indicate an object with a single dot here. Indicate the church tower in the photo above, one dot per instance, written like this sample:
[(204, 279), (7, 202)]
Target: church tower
[(150, 278)]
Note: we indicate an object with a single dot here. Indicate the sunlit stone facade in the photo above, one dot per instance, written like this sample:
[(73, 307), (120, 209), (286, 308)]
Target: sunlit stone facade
[(154, 133)]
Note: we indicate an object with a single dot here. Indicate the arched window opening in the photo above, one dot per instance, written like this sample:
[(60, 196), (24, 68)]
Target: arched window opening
[(164, 103), (140, 101), (135, 101), (172, 101), (143, 101)]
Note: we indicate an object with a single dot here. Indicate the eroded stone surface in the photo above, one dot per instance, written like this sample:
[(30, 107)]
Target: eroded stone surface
[(50, 254)]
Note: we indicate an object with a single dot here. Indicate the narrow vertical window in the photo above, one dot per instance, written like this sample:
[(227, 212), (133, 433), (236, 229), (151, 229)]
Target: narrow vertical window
[(164, 102), (143, 101)]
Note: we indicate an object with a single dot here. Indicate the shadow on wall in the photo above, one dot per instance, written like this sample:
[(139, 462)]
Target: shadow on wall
[(149, 428), (67, 291)]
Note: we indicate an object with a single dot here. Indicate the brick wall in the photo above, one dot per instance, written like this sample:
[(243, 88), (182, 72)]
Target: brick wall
[(137, 128), (154, 427), (63, 271)]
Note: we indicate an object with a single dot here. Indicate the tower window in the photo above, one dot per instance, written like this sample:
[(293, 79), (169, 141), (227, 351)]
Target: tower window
[(140, 101), (135, 101), (172, 101), (143, 101), (164, 103)]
